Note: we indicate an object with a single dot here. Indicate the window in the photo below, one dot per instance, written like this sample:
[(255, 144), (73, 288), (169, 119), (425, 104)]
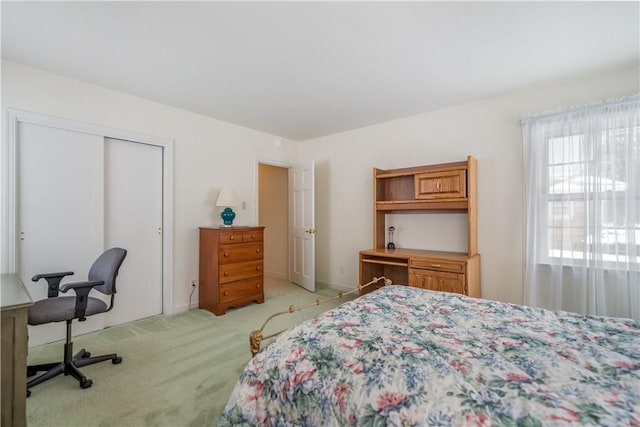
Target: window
[(582, 209), (588, 203)]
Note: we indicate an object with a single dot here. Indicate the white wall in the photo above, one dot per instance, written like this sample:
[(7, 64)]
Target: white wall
[(488, 130), (208, 153)]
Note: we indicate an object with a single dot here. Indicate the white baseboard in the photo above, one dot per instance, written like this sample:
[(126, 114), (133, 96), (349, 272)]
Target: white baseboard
[(185, 307), (281, 276), (333, 286)]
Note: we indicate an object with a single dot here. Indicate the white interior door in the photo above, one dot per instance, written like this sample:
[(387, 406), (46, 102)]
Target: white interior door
[(302, 263), (133, 221), (60, 213)]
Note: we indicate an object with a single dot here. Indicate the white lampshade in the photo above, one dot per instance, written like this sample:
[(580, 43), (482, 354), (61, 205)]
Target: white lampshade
[(227, 198)]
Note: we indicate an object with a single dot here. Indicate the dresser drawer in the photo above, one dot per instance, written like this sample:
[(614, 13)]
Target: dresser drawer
[(241, 289), (252, 236), (239, 252), (231, 236), (242, 270), (437, 264)]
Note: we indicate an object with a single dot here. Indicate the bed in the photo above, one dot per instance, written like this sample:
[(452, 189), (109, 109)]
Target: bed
[(403, 356)]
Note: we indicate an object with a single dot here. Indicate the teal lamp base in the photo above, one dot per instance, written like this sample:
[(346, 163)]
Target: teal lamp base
[(227, 216)]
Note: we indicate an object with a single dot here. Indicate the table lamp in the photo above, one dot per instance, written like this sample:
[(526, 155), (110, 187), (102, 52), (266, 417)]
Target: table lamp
[(226, 199)]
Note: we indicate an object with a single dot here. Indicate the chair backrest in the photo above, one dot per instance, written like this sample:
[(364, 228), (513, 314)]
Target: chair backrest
[(106, 268)]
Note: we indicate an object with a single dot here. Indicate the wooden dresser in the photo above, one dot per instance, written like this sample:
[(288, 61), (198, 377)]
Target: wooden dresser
[(231, 267), (434, 189)]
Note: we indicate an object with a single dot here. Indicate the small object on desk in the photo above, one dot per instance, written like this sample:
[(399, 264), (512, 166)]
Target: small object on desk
[(391, 245)]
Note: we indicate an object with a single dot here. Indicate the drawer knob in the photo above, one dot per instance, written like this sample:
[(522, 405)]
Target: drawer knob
[(258, 286), (226, 273), (257, 251), (226, 254), (232, 237), (253, 236), (226, 293), (257, 268)]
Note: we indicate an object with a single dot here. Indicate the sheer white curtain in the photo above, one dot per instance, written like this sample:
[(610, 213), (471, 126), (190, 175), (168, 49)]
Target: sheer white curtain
[(582, 207)]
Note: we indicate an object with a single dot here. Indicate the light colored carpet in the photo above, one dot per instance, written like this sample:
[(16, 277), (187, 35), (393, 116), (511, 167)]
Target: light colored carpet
[(177, 370)]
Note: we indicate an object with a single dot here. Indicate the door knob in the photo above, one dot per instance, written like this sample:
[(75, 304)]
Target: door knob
[(310, 231)]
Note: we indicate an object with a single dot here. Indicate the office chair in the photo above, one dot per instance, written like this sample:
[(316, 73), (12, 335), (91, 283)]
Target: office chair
[(102, 277)]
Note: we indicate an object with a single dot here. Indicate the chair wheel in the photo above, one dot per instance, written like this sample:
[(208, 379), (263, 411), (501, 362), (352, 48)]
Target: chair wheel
[(117, 360), (85, 383), (31, 372), (28, 393), (86, 354)]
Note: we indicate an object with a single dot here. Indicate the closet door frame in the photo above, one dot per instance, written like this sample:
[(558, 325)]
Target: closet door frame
[(10, 190)]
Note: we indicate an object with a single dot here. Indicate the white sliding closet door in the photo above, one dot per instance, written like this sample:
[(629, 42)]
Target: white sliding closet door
[(60, 212), (77, 195), (133, 220)]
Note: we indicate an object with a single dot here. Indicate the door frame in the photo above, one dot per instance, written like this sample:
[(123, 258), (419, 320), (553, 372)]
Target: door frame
[(10, 188), (290, 166), (256, 192)]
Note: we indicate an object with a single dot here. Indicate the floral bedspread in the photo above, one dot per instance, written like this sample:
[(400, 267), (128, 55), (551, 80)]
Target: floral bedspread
[(402, 356)]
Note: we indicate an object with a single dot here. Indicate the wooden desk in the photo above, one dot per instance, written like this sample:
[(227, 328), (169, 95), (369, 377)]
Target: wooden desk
[(434, 270), (14, 305)]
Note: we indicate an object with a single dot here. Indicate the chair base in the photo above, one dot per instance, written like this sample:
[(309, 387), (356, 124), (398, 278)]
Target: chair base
[(70, 366)]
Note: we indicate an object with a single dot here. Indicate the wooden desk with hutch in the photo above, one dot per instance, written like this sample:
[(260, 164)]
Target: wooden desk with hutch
[(441, 188)]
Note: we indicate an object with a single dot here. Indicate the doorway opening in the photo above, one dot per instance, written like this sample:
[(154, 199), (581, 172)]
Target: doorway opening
[(285, 199), (273, 213)]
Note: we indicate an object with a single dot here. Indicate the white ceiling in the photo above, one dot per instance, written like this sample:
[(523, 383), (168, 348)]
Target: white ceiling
[(301, 70)]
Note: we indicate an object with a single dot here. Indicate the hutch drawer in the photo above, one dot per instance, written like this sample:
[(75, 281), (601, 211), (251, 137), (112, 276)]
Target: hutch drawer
[(438, 264)]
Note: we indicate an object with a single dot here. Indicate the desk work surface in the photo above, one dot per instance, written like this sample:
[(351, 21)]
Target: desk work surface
[(13, 293)]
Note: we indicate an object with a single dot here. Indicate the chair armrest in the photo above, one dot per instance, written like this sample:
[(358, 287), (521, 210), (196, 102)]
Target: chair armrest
[(53, 281), (82, 290)]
